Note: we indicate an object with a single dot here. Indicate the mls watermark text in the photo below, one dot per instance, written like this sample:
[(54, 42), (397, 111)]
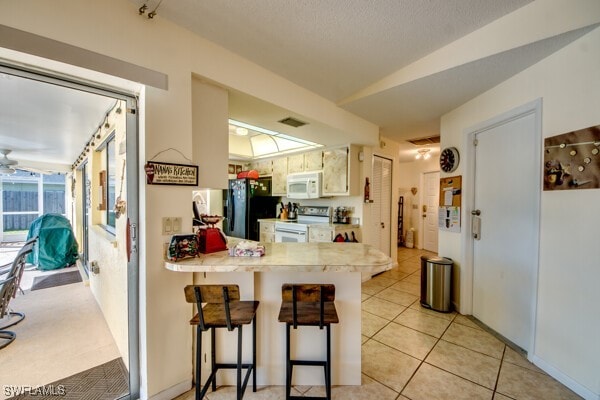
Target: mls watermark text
[(46, 390)]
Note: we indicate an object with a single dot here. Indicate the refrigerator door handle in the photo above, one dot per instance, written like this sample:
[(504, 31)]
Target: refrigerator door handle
[(231, 210)]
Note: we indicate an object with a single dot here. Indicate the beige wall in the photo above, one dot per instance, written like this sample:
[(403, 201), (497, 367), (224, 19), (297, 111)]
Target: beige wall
[(107, 250), (210, 112), (115, 29), (567, 327)]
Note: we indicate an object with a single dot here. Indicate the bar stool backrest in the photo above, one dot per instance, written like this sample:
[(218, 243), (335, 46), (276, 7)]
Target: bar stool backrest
[(308, 292), (212, 294)]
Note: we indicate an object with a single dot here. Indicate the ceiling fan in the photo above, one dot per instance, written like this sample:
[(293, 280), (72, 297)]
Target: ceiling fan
[(6, 164)]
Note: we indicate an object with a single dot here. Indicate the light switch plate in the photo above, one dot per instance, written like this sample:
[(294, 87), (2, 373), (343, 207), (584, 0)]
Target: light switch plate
[(176, 224), (167, 226)]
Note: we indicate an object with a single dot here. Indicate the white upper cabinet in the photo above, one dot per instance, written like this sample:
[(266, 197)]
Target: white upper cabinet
[(341, 171), (310, 161), (263, 167), (340, 168), (335, 171), (313, 160), (280, 169), (295, 163)]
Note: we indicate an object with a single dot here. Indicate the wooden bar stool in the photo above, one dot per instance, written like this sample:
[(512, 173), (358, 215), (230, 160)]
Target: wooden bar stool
[(307, 305), (223, 309)]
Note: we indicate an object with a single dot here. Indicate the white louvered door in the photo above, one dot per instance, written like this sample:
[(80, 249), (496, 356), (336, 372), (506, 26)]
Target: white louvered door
[(381, 208)]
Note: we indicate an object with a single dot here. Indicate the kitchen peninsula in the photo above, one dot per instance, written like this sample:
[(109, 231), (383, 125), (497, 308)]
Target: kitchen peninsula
[(260, 278)]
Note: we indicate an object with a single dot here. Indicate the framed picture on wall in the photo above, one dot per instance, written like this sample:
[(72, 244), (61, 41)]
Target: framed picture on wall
[(231, 169), (238, 169)]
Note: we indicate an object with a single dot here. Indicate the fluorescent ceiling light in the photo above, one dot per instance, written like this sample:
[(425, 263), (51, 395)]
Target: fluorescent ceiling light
[(241, 131), (265, 142)]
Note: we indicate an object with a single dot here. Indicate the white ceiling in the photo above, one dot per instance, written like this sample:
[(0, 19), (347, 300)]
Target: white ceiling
[(333, 47), (339, 48), (47, 126), (336, 48)]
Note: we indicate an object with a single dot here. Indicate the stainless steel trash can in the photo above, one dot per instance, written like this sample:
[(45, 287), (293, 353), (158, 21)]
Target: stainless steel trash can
[(436, 283)]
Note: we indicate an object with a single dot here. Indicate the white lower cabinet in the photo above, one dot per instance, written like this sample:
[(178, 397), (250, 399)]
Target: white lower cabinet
[(327, 233), (320, 234), (266, 231)]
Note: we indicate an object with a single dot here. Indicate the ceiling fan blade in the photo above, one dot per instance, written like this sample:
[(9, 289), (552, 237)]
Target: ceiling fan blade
[(5, 161)]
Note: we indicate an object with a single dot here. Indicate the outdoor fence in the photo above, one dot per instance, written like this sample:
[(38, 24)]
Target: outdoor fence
[(20, 208)]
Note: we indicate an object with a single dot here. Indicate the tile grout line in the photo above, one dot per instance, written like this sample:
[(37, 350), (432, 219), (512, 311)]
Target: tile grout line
[(427, 355), (499, 370), (453, 320)]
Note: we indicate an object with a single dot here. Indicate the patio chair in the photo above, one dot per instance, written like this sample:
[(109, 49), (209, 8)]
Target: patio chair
[(4, 269), (9, 284)]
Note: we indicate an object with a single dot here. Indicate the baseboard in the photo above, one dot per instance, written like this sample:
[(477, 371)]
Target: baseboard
[(173, 391), (581, 390)]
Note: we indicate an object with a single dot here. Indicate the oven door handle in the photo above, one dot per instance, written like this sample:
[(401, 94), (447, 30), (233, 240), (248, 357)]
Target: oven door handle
[(290, 231)]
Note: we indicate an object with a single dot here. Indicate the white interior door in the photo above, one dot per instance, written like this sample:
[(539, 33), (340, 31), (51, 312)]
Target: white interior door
[(431, 196), (381, 208), (507, 197)]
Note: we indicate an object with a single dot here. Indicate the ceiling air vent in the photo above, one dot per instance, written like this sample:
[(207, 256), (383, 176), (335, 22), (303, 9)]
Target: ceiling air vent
[(424, 141), (292, 122)]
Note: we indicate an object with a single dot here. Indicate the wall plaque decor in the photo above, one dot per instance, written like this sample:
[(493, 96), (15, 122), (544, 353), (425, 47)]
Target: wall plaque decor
[(571, 160), (159, 173), (102, 193)]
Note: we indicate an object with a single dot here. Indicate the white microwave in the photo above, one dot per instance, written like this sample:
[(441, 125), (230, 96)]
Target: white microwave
[(304, 185)]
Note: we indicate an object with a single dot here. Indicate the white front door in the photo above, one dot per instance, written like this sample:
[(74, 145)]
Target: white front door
[(431, 196), (507, 196)]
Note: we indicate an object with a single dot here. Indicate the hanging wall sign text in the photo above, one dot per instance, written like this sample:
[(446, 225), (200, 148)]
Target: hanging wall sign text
[(158, 173)]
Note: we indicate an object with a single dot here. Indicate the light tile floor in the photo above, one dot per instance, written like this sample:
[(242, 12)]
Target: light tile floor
[(409, 352)]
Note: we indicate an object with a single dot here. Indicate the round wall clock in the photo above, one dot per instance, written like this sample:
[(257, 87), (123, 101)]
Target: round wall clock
[(449, 159)]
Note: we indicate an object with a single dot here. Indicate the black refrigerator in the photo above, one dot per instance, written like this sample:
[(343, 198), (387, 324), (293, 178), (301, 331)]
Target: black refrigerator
[(247, 201)]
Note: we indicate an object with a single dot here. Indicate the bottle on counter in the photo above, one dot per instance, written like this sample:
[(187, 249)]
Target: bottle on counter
[(344, 215)]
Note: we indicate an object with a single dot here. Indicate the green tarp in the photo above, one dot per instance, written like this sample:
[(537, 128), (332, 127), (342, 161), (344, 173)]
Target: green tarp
[(56, 246)]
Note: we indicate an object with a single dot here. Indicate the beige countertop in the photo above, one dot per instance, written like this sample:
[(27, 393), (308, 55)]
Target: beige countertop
[(335, 226), (291, 257), (315, 225)]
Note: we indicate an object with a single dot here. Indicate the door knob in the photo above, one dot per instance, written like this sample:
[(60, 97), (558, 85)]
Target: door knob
[(382, 225), (476, 212)]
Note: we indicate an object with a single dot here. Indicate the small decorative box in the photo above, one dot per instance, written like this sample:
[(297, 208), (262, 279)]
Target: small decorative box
[(182, 246)]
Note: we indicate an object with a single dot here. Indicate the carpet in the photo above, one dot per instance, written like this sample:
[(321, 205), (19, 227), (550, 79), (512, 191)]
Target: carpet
[(59, 279), (108, 381)]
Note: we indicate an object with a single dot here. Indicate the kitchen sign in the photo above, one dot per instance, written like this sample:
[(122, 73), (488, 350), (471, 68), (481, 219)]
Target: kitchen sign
[(158, 173)]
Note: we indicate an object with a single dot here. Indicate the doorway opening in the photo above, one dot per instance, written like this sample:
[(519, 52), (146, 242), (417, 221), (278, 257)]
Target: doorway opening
[(90, 322), (430, 205)]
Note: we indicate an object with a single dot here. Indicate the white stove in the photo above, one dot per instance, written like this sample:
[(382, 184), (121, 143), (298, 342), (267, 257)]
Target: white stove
[(297, 230)]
